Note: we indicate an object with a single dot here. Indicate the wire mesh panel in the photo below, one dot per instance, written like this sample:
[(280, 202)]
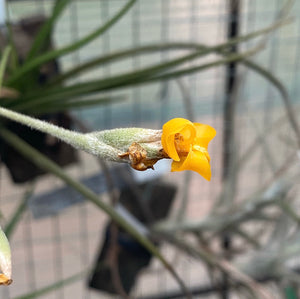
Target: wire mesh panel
[(65, 244)]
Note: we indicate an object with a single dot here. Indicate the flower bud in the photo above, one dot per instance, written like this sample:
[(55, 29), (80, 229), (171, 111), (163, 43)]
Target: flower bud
[(5, 260)]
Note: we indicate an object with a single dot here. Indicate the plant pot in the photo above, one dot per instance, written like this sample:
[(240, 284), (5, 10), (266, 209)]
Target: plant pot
[(21, 169)]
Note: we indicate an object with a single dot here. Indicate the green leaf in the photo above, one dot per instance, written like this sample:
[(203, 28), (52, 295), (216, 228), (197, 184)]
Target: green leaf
[(201, 51), (145, 75), (45, 32), (113, 57), (14, 57), (3, 63), (52, 287), (187, 71), (36, 62), (41, 97), (284, 95), (17, 215), (75, 104)]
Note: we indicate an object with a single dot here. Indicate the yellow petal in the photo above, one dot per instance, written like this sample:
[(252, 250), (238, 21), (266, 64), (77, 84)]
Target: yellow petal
[(204, 134), (196, 161), (168, 143), (170, 129)]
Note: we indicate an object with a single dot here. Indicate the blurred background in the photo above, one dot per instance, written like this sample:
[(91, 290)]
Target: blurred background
[(59, 234)]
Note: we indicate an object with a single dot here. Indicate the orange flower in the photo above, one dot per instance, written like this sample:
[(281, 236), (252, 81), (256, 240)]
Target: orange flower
[(186, 143)]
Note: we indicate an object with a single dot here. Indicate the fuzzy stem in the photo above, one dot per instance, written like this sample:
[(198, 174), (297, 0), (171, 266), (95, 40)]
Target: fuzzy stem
[(107, 144)]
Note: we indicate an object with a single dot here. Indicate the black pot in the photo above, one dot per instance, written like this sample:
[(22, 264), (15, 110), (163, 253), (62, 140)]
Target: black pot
[(21, 169)]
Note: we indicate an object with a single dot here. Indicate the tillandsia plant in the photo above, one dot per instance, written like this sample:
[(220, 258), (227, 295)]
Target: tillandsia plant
[(26, 89), (181, 140), (140, 147), (26, 94), (184, 142), (5, 260)]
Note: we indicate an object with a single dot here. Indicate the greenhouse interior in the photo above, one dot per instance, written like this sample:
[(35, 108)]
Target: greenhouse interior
[(149, 149)]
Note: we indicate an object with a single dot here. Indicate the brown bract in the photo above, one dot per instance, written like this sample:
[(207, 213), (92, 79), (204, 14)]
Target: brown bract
[(138, 157)]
